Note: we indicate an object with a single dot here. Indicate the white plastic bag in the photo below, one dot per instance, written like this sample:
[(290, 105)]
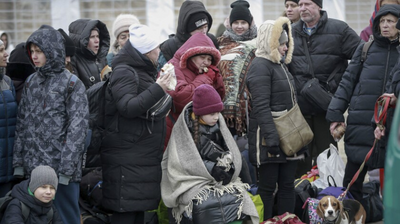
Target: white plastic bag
[(330, 166)]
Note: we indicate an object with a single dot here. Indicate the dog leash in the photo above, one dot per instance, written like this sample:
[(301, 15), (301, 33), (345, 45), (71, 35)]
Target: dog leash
[(382, 104)]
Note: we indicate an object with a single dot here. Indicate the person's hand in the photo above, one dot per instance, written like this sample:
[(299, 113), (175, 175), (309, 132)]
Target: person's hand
[(393, 98), (212, 72), (379, 132), (334, 125), (219, 174), (164, 81)]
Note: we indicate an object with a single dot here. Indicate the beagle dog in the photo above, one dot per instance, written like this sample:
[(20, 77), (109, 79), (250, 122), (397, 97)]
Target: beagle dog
[(332, 211)]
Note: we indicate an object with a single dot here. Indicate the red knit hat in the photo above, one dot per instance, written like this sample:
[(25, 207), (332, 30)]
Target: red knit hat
[(206, 100)]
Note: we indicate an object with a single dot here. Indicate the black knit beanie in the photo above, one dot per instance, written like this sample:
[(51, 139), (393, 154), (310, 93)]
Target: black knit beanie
[(240, 11), (296, 1), (318, 2), (195, 21), (69, 44)]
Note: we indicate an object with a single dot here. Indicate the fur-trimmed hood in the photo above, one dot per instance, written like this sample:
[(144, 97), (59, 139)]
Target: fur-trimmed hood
[(268, 40), (196, 45)]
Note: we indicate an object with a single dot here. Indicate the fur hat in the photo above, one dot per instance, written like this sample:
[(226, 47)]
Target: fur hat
[(318, 2), (195, 21), (296, 1), (143, 38), (240, 11), (69, 44), (268, 36), (122, 23), (206, 100), (43, 175)]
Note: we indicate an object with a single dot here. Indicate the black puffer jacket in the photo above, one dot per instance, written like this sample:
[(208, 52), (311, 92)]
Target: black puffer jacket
[(358, 92), (270, 90), (37, 209), (87, 65), (130, 155), (188, 8), (333, 43)]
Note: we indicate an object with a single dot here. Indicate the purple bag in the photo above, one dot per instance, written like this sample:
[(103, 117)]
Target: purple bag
[(334, 191)]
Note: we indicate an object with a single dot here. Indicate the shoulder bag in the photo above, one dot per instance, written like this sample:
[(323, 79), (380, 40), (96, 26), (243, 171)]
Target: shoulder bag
[(294, 132), (316, 93)]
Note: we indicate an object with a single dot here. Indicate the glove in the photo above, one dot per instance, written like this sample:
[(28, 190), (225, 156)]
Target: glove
[(274, 150), (212, 72), (64, 179), (219, 174)]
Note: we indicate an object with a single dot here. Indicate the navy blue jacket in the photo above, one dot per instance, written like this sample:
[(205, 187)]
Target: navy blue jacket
[(8, 120)]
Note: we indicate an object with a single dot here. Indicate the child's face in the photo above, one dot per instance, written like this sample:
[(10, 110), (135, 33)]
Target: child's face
[(45, 193), (210, 119), (37, 55)]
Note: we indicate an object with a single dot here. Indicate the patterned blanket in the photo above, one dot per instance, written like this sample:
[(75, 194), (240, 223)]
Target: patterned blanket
[(234, 65)]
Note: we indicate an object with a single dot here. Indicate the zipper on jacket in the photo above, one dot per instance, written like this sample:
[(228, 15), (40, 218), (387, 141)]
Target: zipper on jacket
[(258, 147), (386, 71)]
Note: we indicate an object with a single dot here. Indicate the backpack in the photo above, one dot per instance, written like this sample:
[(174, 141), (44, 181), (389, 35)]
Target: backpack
[(303, 190), (96, 99), (365, 49), (4, 201)]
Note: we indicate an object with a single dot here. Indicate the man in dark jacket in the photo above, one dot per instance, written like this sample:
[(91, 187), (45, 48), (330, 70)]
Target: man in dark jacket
[(8, 117), (323, 47), (92, 41), (52, 121), (360, 87), (193, 18)]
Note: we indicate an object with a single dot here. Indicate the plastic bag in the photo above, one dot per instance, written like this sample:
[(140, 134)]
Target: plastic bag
[(330, 163)]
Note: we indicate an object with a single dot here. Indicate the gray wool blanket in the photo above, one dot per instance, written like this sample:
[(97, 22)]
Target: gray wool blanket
[(185, 177)]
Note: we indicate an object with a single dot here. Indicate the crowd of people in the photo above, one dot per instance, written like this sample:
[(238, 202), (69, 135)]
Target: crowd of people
[(219, 136)]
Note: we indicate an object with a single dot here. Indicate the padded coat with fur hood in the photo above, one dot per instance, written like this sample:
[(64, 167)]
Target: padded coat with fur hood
[(270, 90)]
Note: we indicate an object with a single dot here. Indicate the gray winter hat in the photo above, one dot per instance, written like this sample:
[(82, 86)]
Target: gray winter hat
[(43, 175)]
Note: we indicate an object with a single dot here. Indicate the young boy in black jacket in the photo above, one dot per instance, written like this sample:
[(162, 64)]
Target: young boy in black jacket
[(35, 198)]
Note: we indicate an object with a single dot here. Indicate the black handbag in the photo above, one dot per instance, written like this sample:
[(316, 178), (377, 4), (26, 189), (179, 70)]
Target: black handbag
[(160, 109), (313, 91), (316, 94)]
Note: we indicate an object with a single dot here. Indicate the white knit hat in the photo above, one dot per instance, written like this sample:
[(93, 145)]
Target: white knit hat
[(143, 38), (122, 23)]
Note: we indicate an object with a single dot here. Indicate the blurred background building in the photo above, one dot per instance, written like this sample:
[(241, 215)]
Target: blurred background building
[(19, 18)]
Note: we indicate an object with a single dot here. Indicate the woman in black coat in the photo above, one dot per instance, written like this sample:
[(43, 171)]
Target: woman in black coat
[(92, 42), (272, 93), (360, 87), (132, 148)]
